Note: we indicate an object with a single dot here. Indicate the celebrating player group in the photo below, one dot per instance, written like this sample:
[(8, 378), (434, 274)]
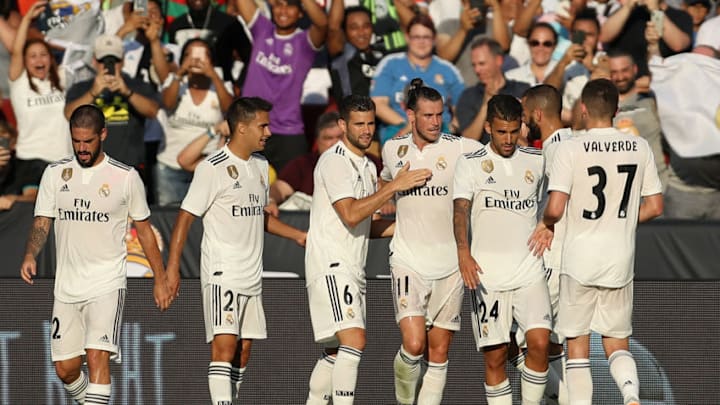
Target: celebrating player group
[(526, 230)]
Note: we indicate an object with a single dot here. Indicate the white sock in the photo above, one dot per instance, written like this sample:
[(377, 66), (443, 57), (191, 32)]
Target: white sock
[(500, 394), (219, 382), (519, 360), (532, 386), (579, 382), (407, 372), (97, 394), (624, 372), (556, 389), (344, 375), (236, 378), (77, 388), (321, 381), (433, 384)]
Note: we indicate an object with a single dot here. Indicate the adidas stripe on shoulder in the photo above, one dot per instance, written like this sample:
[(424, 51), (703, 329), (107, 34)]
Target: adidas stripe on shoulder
[(218, 158), (119, 165), (449, 137), (61, 161), (339, 150), (530, 150), (477, 154)]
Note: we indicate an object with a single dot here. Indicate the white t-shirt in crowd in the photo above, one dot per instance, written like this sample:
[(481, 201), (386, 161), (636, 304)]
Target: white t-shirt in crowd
[(423, 239), (231, 194), (605, 172), (504, 195), (90, 207), (331, 245), (43, 131)]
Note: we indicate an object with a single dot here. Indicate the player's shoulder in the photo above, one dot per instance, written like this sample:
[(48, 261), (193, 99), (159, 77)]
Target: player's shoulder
[(530, 151), (215, 159), (62, 162), (445, 137), (118, 165), (476, 154), (401, 139), (335, 153), (259, 158)]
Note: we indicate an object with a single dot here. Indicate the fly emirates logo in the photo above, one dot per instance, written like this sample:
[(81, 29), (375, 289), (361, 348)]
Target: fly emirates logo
[(255, 208), (511, 202), (81, 212)]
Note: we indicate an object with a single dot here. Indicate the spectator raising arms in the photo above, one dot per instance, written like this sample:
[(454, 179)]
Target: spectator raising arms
[(195, 99), (282, 56), (38, 100), (395, 71)]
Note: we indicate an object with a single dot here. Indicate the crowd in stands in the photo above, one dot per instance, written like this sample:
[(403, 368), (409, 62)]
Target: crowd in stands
[(165, 73)]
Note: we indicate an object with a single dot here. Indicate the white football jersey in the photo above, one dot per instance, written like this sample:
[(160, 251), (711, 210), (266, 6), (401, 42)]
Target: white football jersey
[(605, 172), (553, 256), (90, 207), (332, 246), (504, 195), (231, 194), (423, 239)]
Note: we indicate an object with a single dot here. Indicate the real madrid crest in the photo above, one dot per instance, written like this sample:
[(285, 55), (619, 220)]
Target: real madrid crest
[(232, 171), (403, 302), (487, 165), (104, 190), (350, 313), (67, 174), (402, 150), (441, 163), (229, 319), (529, 178)]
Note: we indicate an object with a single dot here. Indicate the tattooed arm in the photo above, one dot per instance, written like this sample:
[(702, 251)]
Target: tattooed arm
[(468, 266), (35, 243)]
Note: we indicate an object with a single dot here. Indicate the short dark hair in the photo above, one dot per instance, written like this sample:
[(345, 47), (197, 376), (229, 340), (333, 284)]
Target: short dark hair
[(243, 109), (88, 116), (600, 97), (195, 41), (543, 25), (504, 107), (587, 14), (355, 103), (424, 20), (492, 44), (326, 120), (354, 9), (545, 97), (418, 90), (619, 53)]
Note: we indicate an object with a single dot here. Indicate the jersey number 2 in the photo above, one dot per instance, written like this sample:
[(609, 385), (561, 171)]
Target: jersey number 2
[(599, 189)]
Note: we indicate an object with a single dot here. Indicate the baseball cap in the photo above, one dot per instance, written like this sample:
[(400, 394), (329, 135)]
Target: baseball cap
[(705, 3), (108, 45)]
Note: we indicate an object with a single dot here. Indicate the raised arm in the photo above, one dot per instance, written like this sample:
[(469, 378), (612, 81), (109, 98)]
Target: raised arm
[(318, 22), (246, 9), (336, 35), (616, 21), (36, 241), (449, 49), (526, 18), (16, 55)]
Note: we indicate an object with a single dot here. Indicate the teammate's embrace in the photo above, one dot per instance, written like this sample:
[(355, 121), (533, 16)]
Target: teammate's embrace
[(89, 198)]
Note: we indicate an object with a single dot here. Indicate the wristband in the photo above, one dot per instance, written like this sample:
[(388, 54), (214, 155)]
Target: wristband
[(211, 132), (130, 94)]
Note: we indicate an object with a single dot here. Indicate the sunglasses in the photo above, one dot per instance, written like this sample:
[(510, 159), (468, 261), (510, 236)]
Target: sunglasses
[(535, 43)]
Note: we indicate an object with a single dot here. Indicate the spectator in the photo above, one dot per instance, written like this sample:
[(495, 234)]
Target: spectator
[(12, 188), (395, 71), (690, 127), (224, 33), (203, 145), (126, 102), (457, 31), (389, 20), (194, 100), (353, 59), (487, 59), (624, 30), (542, 40), (38, 99), (9, 22), (698, 10), (637, 111), (282, 56)]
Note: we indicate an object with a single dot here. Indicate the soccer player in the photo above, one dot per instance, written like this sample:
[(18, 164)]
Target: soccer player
[(542, 109), (230, 191), (427, 286), (609, 183), (89, 198), (498, 187), (344, 200)]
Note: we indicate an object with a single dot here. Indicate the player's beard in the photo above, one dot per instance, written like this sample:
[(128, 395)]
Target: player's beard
[(90, 162), (534, 133)]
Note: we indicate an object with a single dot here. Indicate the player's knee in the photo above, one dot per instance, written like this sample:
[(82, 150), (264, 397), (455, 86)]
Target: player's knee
[(67, 371), (495, 360), (538, 344), (414, 346), (438, 351), (224, 348), (97, 359)]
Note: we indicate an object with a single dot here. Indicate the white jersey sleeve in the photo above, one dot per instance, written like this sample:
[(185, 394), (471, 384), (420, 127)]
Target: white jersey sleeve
[(464, 181), (138, 208), (338, 184), (45, 203), (202, 191), (651, 180), (560, 172)]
